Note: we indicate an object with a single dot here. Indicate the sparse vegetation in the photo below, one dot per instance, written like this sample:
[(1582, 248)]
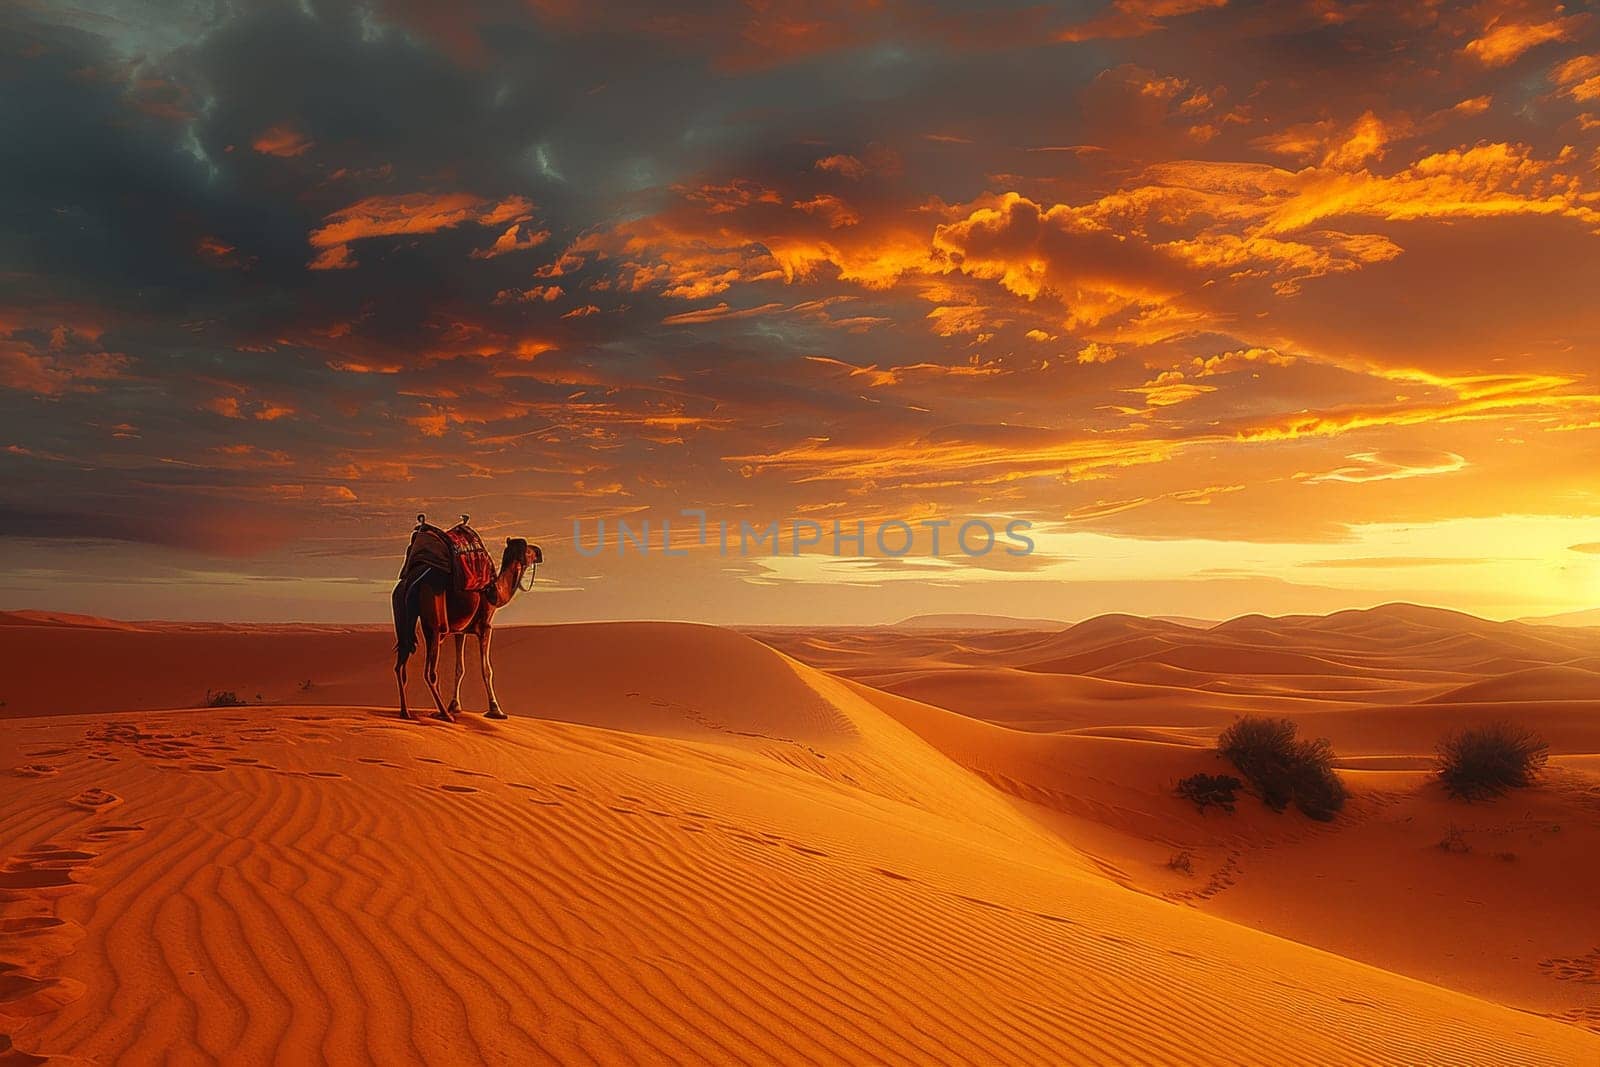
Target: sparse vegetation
[(307, 685), (1454, 840), (1283, 768), (1182, 862), (1210, 790), (1484, 761), (223, 698)]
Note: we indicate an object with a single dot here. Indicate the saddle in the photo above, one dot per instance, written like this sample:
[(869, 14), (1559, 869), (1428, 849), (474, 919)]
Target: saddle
[(458, 552)]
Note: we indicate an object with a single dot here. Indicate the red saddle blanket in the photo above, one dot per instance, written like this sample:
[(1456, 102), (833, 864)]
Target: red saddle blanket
[(458, 551)]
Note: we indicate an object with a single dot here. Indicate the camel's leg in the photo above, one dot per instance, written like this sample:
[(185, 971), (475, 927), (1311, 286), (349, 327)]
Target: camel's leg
[(461, 655), (431, 673), (400, 676), (494, 711)]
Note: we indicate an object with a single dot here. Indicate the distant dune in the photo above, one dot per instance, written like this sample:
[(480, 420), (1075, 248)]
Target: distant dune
[(977, 622), (1571, 618), (687, 846)]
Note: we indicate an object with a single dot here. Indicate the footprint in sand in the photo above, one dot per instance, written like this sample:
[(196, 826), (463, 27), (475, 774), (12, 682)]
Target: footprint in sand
[(982, 903), (95, 799), (430, 759), (248, 761), (45, 867), (1585, 968), (458, 788), (112, 831), (208, 767), (34, 770), (325, 774), (54, 856), (24, 995)]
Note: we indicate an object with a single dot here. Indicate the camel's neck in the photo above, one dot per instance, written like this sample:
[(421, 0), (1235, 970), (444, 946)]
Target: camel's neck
[(503, 589)]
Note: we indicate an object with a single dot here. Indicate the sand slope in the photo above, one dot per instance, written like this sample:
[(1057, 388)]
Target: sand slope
[(706, 853)]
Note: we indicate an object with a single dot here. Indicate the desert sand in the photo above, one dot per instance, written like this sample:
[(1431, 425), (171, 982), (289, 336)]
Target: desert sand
[(876, 846)]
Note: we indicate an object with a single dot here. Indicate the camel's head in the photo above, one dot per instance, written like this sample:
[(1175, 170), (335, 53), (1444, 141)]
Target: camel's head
[(520, 559)]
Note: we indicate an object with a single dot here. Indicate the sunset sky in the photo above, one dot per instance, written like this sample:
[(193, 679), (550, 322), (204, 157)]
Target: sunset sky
[(1246, 307)]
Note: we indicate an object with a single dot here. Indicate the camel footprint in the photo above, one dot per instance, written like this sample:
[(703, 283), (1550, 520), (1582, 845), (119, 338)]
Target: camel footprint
[(95, 799), (1585, 968)]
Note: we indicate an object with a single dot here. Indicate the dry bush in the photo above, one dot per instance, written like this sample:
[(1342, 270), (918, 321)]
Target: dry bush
[(1484, 761), (1281, 767), (1209, 790), (223, 698)]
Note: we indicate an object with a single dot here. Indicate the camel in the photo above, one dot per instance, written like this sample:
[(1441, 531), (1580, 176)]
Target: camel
[(431, 598)]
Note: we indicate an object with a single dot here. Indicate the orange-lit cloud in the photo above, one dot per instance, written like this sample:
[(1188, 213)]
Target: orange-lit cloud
[(1133, 18), (1579, 78), (282, 140), (218, 253), (47, 357), (1506, 38), (1391, 465), (415, 214)]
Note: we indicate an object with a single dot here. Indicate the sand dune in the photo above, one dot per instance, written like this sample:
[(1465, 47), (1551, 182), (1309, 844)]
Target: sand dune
[(977, 622), (1534, 683), (705, 851)]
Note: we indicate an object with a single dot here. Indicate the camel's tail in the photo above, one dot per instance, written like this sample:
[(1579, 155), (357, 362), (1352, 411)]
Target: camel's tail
[(406, 613)]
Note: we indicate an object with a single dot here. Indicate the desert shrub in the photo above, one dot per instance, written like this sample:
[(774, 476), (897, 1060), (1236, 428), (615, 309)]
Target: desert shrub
[(223, 698), (1281, 767), (1485, 761), (1207, 790), (1454, 840), (1182, 862)]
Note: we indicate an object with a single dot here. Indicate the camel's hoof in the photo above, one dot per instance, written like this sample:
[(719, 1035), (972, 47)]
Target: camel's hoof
[(404, 714), (494, 712), (445, 715), (455, 706)]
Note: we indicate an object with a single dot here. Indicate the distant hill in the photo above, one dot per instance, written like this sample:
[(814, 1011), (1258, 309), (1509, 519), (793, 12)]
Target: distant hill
[(1571, 618), (977, 622)]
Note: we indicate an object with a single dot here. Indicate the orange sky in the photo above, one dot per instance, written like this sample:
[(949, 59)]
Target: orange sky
[(1244, 307)]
